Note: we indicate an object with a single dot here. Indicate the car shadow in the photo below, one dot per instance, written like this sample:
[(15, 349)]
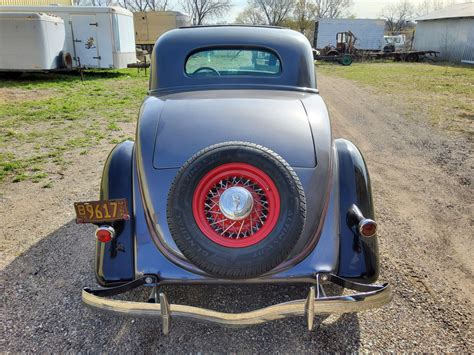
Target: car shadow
[(27, 79), (43, 310)]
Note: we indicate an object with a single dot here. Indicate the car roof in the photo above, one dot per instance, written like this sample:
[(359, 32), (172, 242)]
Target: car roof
[(237, 25), (173, 48)]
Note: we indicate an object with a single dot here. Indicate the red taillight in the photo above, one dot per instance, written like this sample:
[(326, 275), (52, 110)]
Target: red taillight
[(105, 234), (367, 228)]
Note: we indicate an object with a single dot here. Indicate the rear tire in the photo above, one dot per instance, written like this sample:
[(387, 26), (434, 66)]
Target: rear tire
[(231, 259)]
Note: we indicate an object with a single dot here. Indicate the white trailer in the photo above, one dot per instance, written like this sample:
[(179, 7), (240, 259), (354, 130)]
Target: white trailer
[(369, 32), (31, 41), (96, 37)]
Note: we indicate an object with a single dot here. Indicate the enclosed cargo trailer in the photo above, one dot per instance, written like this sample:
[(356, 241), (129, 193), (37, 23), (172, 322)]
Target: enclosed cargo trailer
[(31, 41), (96, 37), (369, 32), (150, 25)]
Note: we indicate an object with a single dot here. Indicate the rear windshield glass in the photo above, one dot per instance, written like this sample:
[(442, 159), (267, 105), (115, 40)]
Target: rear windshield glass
[(225, 62)]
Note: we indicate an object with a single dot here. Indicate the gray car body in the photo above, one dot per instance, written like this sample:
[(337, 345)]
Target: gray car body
[(184, 114)]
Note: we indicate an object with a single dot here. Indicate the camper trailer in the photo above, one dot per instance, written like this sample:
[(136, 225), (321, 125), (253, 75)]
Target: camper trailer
[(31, 42), (95, 37)]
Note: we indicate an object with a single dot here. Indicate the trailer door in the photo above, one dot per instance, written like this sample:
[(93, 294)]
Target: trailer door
[(85, 37)]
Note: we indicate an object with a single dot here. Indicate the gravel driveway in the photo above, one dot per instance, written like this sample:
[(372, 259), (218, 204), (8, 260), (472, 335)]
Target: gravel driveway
[(423, 199)]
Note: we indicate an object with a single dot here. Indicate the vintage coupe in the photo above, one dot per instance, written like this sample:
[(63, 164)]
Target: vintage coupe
[(234, 178)]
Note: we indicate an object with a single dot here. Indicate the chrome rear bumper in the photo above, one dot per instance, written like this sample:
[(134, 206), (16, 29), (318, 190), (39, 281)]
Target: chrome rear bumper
[(369, 296)]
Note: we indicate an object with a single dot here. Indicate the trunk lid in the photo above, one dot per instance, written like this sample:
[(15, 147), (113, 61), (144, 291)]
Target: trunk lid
[(192, 121)]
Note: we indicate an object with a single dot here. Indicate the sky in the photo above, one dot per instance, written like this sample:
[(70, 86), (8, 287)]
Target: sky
[(361, 8)]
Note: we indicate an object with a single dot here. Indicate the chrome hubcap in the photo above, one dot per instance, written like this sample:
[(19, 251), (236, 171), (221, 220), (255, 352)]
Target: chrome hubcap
[(236, 203)]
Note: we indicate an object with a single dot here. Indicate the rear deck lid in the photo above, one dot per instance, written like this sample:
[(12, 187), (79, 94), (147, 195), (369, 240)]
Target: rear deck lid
[(193, 121)]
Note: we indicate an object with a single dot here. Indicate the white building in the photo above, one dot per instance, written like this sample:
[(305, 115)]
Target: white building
[(449, 31)]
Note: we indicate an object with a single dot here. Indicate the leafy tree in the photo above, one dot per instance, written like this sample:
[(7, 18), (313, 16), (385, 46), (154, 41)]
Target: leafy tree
[(251, 16), (304, 15)]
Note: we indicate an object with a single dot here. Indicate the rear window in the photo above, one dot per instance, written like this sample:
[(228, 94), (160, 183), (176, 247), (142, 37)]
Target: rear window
[(233, 62)]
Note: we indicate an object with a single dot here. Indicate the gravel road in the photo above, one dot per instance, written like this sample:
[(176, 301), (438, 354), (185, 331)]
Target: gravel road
[(423, 198)]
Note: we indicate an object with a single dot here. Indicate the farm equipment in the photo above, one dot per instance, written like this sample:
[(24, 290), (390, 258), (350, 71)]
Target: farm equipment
[(344, 51)]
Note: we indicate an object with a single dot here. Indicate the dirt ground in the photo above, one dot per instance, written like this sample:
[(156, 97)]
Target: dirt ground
[(423, 197)]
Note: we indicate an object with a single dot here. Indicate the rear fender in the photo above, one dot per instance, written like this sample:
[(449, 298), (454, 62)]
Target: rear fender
[(114, 263), (358, 256)]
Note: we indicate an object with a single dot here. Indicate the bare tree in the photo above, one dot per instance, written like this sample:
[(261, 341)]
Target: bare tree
[(427, 6), (331, 8), (134, 5), (275, 11), (398, 16), (200, 10), (299, 15), (157, 5), (251, 16), (94, 2)]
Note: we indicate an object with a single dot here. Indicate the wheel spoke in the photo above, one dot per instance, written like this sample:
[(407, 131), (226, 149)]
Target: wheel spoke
[(255, 225), (221, 221), (229, 227), (240, 229), (251, 224)]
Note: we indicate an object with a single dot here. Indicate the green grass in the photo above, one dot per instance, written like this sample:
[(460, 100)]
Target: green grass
[(442, 94), (45, 118)]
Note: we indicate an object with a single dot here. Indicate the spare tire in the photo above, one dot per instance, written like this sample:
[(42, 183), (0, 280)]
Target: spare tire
[(236, 209)]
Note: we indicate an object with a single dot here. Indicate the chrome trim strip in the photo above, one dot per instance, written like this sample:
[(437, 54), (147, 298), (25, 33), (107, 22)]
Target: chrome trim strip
[(380, 295)]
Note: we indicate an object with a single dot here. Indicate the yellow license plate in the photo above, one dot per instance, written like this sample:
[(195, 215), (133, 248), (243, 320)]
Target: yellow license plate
[(101, 211)]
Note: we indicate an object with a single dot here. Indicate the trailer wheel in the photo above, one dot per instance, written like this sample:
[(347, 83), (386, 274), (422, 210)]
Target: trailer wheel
[(65, 60), (346, 60), (412, 57)]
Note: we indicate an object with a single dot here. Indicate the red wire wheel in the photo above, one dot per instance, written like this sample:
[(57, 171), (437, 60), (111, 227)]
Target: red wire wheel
[(236, 210), (224, 230)]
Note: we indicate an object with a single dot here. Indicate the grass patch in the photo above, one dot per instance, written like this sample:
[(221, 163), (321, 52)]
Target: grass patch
[(443, 94), (45, 116), (38, 177)]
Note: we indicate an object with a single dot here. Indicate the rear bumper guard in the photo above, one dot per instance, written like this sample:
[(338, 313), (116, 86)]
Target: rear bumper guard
[(368, 297)]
